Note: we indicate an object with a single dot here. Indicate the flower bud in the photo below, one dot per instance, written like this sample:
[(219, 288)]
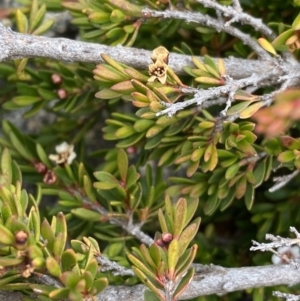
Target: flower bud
[(21, 237), (56, 79), (167, 237), (62, 93), (160, 243)]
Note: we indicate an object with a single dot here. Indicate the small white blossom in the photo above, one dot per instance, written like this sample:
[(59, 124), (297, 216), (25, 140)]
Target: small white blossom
[(65, 154), (291, 253)]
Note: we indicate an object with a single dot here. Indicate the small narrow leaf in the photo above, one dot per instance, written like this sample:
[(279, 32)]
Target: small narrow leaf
[(183, 284), (266, 45), (162, 222), (122, 164), (188, 234), (179, 216), (22, 22), (173, 256)]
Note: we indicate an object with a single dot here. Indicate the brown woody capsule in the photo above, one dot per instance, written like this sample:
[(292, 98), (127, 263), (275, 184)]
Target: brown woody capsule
[(40, 167), (21, 237), (50, 177), (160, 243)]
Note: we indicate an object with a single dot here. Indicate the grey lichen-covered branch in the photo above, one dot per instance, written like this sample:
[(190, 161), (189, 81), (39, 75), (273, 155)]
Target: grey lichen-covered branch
[(14, 45), (202, 95), (206, 20), (108, 265), (207, 280), (215, 280)]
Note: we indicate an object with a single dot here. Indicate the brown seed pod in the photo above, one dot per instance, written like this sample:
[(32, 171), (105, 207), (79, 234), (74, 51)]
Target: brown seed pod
[(50, 177)]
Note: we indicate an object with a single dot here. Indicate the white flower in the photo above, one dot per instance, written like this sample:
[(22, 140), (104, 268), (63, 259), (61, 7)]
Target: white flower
[(291, 253), (65, 154)]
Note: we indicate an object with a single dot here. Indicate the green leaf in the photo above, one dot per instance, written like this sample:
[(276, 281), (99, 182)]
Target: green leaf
[(155, 254), (122, 164), (8, 279), (107, 94), (99, 285), (6, 166), (286, 156), (249, 111), (169, 214), (188, 234), (151, 296), (282, 38), (259, 173), (173, 256), (20, 147), (162, 222), (36, 17), (60, 235), (185, 261), (132, 177), (141, 266), (105, 185), (87, 214), (130, 141), (184, 282), (265, 44), (47, 234), (147, 257), (137, 78), (10, 261), (296, 23), (192, 206), (226, 202), (179, 216), (53, 267), (25, 100), (238, 108), (147, 282), (249, 196), (34, 222), (142, 125), (6, 237), (22, 22), (211, 204), (241, 187), (42, 155), (104, 176), (88, 188), (232, 171), (59, 294), (68, 260)]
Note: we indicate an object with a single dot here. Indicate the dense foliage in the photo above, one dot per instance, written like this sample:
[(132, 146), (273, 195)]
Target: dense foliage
[(116, 164)]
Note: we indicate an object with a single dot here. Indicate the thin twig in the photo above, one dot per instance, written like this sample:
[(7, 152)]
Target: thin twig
[(283, 180), (201, 95), (288, 297), (129, 227), (238, 16), (276, 242), (108, 265), (206, 20), (236, 5)]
